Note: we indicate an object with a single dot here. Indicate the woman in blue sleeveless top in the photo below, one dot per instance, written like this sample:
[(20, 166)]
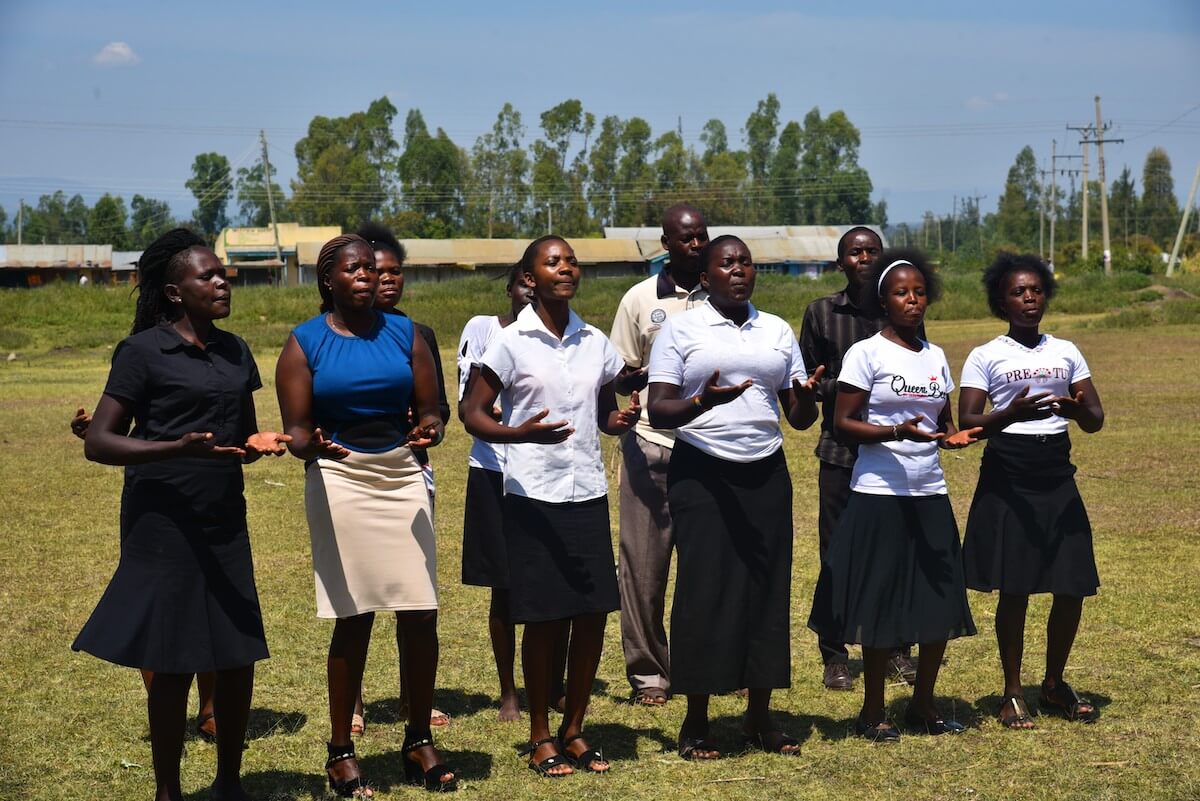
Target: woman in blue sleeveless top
[(345, 380)]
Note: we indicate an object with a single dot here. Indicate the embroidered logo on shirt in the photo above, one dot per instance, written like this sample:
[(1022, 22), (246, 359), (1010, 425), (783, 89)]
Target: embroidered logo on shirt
[(658, 315)]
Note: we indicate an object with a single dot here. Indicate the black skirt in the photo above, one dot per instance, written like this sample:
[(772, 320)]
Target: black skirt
[(1028, 531), (893, 574), (183, 598), (484, 557), (733, 535), (560, 559)]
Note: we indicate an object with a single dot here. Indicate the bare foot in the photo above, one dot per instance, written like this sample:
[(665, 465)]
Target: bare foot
[(510, 709)]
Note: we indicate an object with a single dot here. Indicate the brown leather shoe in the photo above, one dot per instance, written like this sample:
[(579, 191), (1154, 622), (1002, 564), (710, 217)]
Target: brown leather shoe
[(837, 676), (901, 667)]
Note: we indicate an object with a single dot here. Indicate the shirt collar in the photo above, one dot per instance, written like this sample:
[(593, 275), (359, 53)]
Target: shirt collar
[(170, 340), (528, 322), (714, 317), (845, 298)]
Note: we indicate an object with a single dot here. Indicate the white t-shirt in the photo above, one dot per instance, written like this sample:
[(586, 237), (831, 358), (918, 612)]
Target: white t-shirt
[(476, 336), (692, 344), (639, 319), (1003, 367), (903, 384), (539, 371)]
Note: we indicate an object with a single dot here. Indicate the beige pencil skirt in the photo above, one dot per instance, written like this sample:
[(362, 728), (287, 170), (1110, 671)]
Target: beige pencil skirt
[(373, 545)]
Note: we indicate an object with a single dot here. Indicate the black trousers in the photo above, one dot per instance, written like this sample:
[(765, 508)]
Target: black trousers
[(833, 485)]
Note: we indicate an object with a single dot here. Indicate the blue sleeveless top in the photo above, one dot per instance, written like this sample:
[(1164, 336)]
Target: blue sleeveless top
[(361, 385)]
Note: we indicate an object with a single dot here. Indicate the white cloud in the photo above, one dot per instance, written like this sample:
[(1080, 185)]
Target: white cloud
[(116, 54), (978, 103)]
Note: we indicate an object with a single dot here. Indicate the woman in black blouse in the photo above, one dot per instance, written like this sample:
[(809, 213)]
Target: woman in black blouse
[(183, 598)]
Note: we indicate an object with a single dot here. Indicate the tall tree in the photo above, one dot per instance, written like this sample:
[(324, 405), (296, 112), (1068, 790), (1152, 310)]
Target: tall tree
[(635, 176), (674, 176), (761, 128), (714, 138), (254, 207), (785, 176), (1123, 206), (1159, 206), (344, 167), (557, 190), (55, 220), (834, 189), (1017, 212), (433, 171), (149, 219), (3, 225), (106, 223), (211, 185), (499, 165), (604, 163)]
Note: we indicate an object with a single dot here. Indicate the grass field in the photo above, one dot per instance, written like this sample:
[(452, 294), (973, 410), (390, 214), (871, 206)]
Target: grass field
[(72, 726)]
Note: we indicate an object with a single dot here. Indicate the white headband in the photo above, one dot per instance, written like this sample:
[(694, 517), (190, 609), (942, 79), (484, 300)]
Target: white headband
[(888, 269)]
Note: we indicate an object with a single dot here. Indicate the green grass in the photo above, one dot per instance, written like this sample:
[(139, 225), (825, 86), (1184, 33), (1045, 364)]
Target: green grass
[(69, 722)]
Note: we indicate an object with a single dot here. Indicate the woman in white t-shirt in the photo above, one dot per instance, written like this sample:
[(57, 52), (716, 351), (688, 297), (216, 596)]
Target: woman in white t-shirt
[(720, 375), (893, 573), (553, 375), (484, 558), (1028, 531)]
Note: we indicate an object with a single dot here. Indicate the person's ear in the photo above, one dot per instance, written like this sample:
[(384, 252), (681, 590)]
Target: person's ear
[(172, 293)]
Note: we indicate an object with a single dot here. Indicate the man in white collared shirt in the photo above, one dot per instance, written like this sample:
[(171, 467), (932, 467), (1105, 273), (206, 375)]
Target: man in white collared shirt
[(645, 522)]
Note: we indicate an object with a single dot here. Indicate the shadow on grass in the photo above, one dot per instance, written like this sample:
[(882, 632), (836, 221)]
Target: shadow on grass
[(726, 730), (276, 785), (261, 723), (960, 709), (386, 770), (454, 702), (988, 705)]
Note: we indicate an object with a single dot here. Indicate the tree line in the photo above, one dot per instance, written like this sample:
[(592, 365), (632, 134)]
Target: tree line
[(576, 174)]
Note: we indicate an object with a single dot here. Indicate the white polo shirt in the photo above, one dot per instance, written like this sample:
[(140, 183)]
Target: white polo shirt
[(476, 336), (539, 371), (640, 317), (1003, 367), (763, 349)]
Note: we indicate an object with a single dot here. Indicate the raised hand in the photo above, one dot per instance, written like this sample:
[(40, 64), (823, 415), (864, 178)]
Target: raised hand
[(628, 417), (534, 430), (961, 439), (327, 448), (1067, 406), (1030, 407), (199, 443), (267, 443), (810, 386), (715, 395), (80, 423), (910, 429)]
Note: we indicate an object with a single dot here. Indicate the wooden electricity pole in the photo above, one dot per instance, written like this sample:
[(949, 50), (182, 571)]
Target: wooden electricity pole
[(271, 201), (1187, 209)]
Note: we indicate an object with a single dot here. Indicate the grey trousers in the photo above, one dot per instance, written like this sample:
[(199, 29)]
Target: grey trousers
[(646, 541)]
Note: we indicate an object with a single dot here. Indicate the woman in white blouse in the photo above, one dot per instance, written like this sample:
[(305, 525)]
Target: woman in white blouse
[(893, 573), (719, 375), (553, 375), (1028, 531)]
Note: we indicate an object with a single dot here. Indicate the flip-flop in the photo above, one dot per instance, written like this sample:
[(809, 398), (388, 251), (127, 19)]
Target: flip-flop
[(689, 746), (650, 696), (773, 742), (1021, 714), (1070, 708)]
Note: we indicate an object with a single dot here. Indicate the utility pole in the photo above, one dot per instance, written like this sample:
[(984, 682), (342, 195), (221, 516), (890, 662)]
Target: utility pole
[(954, 227), (1042, 216), (270, 198), (1054, 171), (1101, 128), (1187, 209), (20, 219), (549, 218), (979, 219)]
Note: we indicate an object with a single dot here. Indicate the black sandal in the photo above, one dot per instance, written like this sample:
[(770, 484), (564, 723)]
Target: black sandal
[(203, 733), (584, 760), (1017, 704), (413, 774), (773, 742), (355, 787), (543, 768), (1070, 708)]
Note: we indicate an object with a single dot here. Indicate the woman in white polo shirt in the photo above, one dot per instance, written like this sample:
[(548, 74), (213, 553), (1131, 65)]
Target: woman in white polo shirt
[(553, 374), (1028, 531), (893, 573), (719, 375)]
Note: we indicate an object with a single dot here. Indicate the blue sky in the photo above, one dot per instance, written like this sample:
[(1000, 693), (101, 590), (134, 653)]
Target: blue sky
[(121, 96)]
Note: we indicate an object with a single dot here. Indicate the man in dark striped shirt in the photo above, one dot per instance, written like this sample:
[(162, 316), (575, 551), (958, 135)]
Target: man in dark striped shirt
[(831, 325)]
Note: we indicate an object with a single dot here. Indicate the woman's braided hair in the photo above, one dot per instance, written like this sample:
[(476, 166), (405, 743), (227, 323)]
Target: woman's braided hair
[(325, 262), (160, 265)]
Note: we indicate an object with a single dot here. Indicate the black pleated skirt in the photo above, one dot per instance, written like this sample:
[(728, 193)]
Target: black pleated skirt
[(893, 574), (183, 598), (560, 559), (484, 555), (733, 536), (1028, 531)]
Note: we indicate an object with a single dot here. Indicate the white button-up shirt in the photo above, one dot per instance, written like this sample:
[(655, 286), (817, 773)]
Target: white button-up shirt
[(540, 371), (692, 344)]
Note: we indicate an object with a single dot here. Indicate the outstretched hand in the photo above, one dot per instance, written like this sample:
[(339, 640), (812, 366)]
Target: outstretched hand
[(1031, 407), (534, 430), (961, 439), (200, 443), (911, 429), (327, 448), (1067, 406), (80, 423), (715, 395), (267, 443), (810, 386), (628, 417)]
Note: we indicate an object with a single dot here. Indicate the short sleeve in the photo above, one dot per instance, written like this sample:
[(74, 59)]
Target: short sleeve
[(808, 337), (466, 355), (1079, 365), (666, 361), (499, 359), (613, 363), (796, 368), (857, 370), (625, 332), (975, 372), (950, 385), (129, 376)]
